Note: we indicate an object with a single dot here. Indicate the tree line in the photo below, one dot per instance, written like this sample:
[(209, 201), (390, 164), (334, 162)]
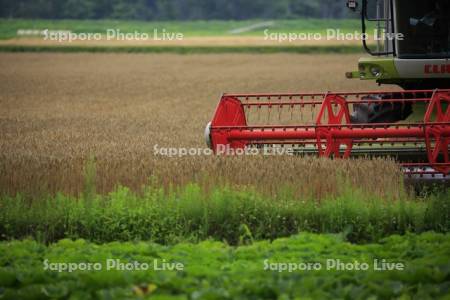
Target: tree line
[(172, 9)]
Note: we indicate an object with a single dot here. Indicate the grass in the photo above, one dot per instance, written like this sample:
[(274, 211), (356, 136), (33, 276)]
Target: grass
[(231, 214), (9, 27), (214, 270)]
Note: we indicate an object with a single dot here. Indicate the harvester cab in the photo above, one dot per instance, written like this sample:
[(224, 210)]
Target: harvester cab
[(410, 49), (412, 43)]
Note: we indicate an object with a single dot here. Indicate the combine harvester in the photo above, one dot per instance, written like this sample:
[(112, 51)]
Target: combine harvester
[(412, 125)]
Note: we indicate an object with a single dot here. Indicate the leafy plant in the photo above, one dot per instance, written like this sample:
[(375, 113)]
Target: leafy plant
[(214, 270)]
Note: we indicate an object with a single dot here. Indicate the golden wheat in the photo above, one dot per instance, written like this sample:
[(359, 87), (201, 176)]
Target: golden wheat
[(57, 110)]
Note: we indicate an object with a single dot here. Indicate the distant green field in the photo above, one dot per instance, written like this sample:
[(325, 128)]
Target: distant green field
[(9, 27), (184, 49)]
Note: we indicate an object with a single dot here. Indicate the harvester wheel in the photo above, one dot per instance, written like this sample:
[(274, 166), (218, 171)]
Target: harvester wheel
[(380, 111)]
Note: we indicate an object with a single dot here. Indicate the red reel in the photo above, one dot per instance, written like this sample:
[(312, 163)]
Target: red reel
[(334, 111), (437, 143)]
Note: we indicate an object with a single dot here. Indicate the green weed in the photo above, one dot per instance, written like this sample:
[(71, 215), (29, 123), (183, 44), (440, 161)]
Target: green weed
[(234, 215)]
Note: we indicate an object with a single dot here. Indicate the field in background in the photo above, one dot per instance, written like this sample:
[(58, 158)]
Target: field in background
[(9, 27), (198, 36)]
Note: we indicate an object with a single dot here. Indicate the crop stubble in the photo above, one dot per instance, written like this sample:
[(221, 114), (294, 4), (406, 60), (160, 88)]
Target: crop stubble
[(57, 110)]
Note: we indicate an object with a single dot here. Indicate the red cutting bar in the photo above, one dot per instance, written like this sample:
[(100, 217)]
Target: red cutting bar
[(368, 133), (332, 128)]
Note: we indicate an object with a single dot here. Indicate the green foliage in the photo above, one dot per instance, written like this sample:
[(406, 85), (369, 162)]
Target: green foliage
[(213, 270), (172, 9), (237, 216)]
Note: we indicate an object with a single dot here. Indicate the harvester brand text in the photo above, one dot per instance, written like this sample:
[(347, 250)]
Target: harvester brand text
[(437, 69)]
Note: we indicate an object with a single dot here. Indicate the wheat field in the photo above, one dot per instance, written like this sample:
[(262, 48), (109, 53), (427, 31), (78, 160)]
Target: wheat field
[(60, 110)]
